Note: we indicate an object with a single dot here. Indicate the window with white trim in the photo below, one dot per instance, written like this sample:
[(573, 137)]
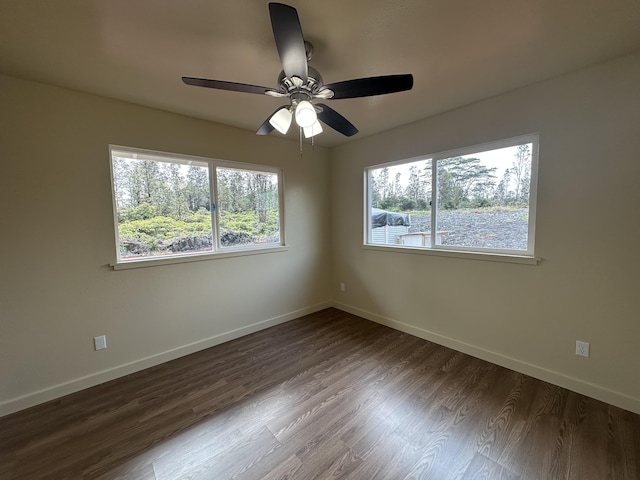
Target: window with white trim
[(477, 199), (170, 205)]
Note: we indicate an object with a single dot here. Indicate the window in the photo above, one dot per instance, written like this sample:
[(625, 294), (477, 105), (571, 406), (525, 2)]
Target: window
[(479, 199), (169, 205)]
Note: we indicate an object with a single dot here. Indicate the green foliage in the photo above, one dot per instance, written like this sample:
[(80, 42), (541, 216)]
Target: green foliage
[(201, 216), (248, 222), (389, 203), (144, 211), (422, 204), (463, 182), (153, 235), (157, 235), (480, 202), (163, 206), (450, 195), (162, 228), (147, 188), (407, 204)]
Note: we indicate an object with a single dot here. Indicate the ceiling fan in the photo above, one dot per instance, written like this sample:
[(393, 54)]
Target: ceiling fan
[(302, 84)]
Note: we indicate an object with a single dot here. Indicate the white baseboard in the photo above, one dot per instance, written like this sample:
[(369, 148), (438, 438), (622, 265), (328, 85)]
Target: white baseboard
[(556, 378), (57, 391)]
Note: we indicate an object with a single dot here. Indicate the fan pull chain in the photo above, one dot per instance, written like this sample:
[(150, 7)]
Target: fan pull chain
[(300, 142)]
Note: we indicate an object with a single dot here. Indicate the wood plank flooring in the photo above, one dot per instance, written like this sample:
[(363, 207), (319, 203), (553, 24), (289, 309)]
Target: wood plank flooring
[(326, 396)]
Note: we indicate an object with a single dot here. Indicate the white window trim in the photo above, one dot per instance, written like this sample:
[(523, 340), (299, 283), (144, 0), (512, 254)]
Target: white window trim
[(510, 256), (194, 257), (436, 252), (218, 251)]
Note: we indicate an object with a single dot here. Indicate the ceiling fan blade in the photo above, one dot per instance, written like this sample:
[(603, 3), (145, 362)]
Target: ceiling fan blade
[(336, 121), (366, 87), (266, 128), (289, 41), (232, 86)]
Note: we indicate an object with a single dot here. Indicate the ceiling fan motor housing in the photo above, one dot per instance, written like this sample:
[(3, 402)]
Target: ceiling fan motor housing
[(293, 85)]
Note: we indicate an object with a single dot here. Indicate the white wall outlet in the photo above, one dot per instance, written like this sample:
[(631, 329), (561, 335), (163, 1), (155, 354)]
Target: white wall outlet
[(342, 287), (100, 342), (582, 348)]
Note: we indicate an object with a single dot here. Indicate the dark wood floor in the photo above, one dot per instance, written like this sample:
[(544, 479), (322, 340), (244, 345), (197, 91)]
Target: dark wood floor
[(329, 395)]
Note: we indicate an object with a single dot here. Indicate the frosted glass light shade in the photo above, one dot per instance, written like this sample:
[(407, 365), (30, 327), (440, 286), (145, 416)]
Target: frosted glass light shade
[(305, 114), (313, 130), (281, 120)]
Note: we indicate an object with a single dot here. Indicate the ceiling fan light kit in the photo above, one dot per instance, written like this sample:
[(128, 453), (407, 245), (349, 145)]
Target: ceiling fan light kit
[(313, 130), (281, 120), (305, 114), (301, 84)]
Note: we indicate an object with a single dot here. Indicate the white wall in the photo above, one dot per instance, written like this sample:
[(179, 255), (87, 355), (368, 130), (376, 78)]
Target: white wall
[(587, 233), (56, 289)]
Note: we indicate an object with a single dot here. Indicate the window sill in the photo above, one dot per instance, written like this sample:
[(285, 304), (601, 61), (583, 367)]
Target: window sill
[(491, 257), (170, 260)]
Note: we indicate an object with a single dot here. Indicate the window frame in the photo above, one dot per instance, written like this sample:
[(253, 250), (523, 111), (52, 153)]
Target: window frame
[(217, 250), (509, 255)]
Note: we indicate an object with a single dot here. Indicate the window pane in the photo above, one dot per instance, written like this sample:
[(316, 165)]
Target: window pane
[(483, 199), (162, 206), (400, 210), (248, 207)]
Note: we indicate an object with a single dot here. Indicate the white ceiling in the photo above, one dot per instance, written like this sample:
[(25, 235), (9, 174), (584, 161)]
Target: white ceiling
[(459, 51)]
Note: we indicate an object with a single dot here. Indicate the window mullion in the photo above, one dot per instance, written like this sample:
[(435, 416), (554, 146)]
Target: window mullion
[(368, 204), (434, 200), (215, 216)]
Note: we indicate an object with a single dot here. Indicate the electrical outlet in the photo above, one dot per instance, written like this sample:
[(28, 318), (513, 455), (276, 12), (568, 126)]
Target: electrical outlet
[(100, 343), (582, 348), (342, 287)]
